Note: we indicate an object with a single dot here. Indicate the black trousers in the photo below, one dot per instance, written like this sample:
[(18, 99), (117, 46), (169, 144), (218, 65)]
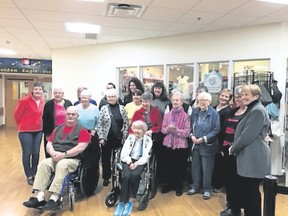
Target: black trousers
[(175, 161), (111, 144), (130, 182)]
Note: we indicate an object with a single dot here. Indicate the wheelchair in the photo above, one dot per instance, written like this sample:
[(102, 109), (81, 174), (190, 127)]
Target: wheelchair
[(148, 180)]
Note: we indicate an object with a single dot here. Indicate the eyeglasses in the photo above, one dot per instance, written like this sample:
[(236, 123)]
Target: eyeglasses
[(203, 100), (71, 114)]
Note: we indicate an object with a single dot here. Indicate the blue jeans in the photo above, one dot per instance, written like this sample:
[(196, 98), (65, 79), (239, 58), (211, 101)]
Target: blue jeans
[(30, 143)]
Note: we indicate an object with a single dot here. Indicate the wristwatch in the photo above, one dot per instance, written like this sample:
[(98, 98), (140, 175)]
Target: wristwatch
[(65, 154)]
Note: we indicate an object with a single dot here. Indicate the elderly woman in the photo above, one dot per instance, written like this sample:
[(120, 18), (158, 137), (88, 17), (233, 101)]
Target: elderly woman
[(28, 116), (134, 155), (148, 114), (205, 126), (112, 125), (88, 118), (253, 155), (135, 105), (176, 127), (54, 114)]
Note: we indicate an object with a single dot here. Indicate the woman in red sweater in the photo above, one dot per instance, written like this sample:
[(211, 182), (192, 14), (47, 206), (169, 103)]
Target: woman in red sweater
[(28, 117)]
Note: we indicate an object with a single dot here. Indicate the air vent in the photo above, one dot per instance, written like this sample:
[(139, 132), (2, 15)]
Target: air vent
[(91, 36), (124, 10)]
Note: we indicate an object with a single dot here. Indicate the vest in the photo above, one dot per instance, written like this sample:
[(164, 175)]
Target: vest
[(61, 143)]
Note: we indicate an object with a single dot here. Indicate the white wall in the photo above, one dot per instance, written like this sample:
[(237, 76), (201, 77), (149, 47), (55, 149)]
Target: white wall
[(94, 66)]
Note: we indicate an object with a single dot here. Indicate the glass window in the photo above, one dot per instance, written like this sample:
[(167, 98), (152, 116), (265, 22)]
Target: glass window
[(250, 71), (214, 75), (181, 78), (152, 74), (125, 74)]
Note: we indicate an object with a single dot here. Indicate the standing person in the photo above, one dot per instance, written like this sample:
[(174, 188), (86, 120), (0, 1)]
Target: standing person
[(150, 115), (176, 127), (64, 145), (135, 105), (104, 101), (28, 116), (205, 126), (88, 118), (134, 156), (133, 84), (199, 89), (229, 161), (223, 110), (54, 114), (79, 90), (111, 127), (253, 155), (160, 101)]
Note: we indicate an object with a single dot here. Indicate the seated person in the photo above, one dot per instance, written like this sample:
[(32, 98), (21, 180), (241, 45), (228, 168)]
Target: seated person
[(64, 145), (134, 156)]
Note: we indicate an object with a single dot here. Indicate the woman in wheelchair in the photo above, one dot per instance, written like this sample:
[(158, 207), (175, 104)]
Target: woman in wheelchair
[(134, 155)]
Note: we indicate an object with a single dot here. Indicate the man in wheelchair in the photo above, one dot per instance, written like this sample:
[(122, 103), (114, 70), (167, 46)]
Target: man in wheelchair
[(64, 145), (134, 155)]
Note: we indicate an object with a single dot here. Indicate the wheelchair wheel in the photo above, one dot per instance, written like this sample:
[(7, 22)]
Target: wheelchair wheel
[(89, 177), (154, 179), (111, 199), (71, 197), (144, 201)]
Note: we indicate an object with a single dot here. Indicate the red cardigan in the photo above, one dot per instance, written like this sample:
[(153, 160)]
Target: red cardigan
[(28, 115), (155, 118)]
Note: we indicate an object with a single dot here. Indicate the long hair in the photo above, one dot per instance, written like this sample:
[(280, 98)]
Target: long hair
[(161, 85)]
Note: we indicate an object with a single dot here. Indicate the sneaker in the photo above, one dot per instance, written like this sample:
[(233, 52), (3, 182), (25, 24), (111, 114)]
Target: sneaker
[(51, 205), (30, 180), (192, 191), (229, 212), (217, 190), (128, 209), (106, 182), (206, 195), (34, 203), (119, 210)]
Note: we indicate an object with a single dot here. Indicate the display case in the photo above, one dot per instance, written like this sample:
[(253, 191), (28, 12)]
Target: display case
[(151, 74), (125, 74), (181, 77), (214, 75)]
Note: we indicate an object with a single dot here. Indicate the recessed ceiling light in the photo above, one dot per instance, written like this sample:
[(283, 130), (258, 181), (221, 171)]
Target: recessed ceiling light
[(275, 1), (5, 51), (83, 28)]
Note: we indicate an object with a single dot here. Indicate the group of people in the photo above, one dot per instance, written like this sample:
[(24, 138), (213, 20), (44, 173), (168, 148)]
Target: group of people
[(227, 143)]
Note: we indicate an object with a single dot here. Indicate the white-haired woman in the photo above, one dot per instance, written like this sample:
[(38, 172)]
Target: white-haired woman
[(205, 126), (112, 125), (134, 155), (176, 128)]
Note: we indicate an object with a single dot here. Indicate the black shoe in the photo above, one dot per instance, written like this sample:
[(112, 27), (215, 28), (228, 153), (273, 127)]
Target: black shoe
[(30, 180), (166, 189), (179, 192), (229, 212), (106, 182), (34, 203), (51, 205)]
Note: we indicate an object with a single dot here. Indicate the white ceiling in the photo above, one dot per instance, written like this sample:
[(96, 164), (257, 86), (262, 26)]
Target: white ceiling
[(33, 28)]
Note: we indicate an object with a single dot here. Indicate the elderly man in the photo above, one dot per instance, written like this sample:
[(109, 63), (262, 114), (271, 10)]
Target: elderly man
[(64, 145)]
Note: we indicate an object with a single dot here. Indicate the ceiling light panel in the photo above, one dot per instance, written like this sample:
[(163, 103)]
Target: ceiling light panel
[(83, 28)]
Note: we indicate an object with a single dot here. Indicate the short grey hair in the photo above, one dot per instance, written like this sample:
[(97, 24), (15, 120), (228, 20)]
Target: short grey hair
[(111, 92), (147, 96), (86, 92), (141, 124), (180, 94), (205, 95)]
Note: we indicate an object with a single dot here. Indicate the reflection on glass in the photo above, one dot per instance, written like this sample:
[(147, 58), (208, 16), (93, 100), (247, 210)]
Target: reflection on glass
[(181, 78), (19, 89), (125, 74), (214, 76), (247, 72), (152, 74)]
